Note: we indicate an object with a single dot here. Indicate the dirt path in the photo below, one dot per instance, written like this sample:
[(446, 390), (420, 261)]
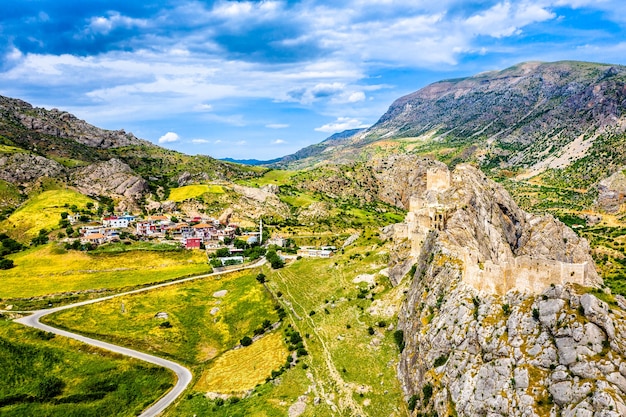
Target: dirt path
[(346, 400)]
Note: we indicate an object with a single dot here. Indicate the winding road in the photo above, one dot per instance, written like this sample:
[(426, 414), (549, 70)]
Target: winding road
[(183, 374)]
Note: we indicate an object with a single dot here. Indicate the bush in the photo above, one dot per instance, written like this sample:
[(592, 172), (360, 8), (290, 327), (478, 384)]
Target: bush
[(261, 278), (441, 360), (413, 402), (49, 387), (246, 341), (427, 390), (536, 314), (398, 337), (6, 263), (370, 330)]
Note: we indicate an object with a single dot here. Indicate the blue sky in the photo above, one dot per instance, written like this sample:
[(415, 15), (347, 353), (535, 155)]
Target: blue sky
[(263, 79)]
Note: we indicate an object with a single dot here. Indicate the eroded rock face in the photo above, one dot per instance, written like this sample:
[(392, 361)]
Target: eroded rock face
[(20, 168), (612, 192), (473, 352), (112, 178), (65, 125)]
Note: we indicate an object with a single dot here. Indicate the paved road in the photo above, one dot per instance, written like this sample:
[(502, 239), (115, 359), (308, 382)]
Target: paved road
[(183, 374)]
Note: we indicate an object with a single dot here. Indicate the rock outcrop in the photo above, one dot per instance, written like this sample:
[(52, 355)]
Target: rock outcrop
[(112, 178), (23, 169), (64, 125), (612, 192), (473, 347)]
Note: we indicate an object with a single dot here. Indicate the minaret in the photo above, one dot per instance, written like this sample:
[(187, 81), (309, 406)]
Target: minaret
[(260, 231)]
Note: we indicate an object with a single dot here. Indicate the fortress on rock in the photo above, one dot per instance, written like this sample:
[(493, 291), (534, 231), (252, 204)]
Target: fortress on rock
[(523, 273)]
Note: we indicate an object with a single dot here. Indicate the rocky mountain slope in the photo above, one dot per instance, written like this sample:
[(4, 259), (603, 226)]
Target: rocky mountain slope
[(564, 119), (36, 143), (543, 344)]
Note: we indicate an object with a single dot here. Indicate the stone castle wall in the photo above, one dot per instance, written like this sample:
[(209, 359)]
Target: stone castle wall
[(521, 273)]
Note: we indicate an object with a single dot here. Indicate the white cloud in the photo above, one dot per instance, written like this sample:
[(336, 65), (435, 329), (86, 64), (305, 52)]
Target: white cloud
[(278, 142), (356, 97), (277, 126), (341, 124), (203, 107), (169, 137), (105, 24), (199, 141)]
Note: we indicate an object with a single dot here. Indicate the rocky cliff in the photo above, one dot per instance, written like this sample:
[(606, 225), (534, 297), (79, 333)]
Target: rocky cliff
[(470, 348), (63, 125)]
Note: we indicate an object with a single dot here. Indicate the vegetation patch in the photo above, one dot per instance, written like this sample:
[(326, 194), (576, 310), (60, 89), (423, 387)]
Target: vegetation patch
[(43, 270), (201, 325), (42, 211), (240, 370), (192, 191), (49, 375)]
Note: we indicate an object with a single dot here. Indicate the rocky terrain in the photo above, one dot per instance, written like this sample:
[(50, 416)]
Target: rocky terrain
[(563, 119), (612, 192), (469, 351)]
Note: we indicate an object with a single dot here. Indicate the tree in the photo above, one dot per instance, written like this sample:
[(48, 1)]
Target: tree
[(64, 215), (246, 341), (261, 278), (6, 263)]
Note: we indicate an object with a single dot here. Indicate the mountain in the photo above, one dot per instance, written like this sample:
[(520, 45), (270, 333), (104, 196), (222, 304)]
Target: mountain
[(560, 120), (503, 314), (312, 154), (253, 162), (38, 144)]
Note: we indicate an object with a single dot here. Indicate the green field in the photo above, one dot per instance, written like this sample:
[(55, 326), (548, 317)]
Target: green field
[(49, 269), (194, 335), (273, 176), (192, 191), (358, 368), (43, 211), (47, 375)]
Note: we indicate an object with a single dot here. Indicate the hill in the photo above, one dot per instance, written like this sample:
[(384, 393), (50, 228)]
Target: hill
[(51, 145), (559, 120)]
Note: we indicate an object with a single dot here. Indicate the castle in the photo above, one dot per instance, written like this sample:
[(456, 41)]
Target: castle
[(522, 273)]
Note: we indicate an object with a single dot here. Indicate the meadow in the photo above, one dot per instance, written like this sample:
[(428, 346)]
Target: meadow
[(47, 375), (43, 211), (50, 269), (199, 325), (192, 191)]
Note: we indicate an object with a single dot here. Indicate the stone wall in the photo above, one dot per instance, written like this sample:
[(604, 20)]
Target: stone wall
[(522, 273)]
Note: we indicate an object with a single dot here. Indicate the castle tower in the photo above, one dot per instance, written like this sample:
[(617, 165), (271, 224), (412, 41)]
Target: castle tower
[(438, 179)]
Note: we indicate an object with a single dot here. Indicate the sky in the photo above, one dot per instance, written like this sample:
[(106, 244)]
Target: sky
[(262, 79)]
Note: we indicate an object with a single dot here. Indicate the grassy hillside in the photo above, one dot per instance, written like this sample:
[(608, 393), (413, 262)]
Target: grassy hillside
[(47, 375), (192, 191), (42, 211), (50, 269)]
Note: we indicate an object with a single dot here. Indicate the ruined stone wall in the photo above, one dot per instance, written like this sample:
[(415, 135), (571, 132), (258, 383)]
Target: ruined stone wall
[(522, 273)]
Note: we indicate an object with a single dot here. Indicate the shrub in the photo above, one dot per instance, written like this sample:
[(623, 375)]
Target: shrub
[(246, 341), (441, 360), (506, 308), (261, 278), (427, 390), (370, 330), (536, 314), (49, 387), (6, 263), (398, 337), (413, 402)]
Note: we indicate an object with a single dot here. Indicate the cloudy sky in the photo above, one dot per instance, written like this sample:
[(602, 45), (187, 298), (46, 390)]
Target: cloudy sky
[(263, 79)]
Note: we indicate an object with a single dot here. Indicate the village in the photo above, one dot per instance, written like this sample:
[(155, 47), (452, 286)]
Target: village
[(224, 242)]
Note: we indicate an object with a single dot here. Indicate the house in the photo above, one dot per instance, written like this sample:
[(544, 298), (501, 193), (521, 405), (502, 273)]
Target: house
[(192, 242), (94, 238), (316, 253), (278, 241), (115, 222)]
